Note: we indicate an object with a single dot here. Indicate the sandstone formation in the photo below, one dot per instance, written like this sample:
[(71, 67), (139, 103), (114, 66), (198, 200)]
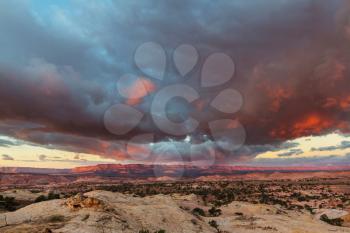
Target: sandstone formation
[(102, 212)]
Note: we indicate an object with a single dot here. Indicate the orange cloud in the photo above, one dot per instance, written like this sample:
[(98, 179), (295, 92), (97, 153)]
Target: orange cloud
[(311, 124), (275, 92), (345, 103), (341, 103), (141, 87), (277, 95), (138, 90)]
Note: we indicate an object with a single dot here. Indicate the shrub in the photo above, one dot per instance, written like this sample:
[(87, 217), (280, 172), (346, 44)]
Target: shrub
[(334, 222), (194, 221), (50, 196), (198, 211), (214, 212), (40, 198), (53, 196), (35, 191), (56, 218), (214, 224), (8, 203), (144, 231), (86, 217), (309, 208), (147, 231)]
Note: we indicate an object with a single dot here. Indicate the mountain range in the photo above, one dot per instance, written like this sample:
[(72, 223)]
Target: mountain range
[(144, 170)]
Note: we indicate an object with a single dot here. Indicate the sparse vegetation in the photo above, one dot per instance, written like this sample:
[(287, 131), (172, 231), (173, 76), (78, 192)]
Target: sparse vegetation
[(204, 209), (214, 212), (50, 196), (35, 191), (308, 208), (293, 195), (8, 203), (40, 198), (308, 194), (214, 224), (334, 222), (239, 214), (86, 217), (147, 231), (56, 218), (198, 211), (214, 197)]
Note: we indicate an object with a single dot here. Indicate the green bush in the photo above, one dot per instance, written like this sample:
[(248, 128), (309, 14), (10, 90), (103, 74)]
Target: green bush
[(309, 208), (214, 212), (147, 231), (56, 218), (8, 203), (198, 211), (53, 196), (41, 198), (334, 222), (144, 231), (35, 191), (214, 224), (50, 196), (86, 217)]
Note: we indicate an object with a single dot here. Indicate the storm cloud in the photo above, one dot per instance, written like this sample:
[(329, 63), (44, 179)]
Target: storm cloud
[(60, 63)]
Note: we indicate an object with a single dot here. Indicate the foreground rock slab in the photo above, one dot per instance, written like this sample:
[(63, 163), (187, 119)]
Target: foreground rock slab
[(102, 212)]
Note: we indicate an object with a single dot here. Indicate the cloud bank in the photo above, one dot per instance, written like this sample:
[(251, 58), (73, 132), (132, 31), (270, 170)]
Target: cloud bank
[(60, 63)]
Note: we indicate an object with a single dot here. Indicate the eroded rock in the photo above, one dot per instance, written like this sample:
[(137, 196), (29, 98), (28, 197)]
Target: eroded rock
[(79, 201)]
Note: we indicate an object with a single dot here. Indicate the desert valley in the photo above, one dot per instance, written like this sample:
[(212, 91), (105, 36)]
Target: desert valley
[(236, 199)]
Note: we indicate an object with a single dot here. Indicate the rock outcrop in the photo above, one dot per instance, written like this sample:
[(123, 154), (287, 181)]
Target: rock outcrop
[(102, 211), (80, 201)]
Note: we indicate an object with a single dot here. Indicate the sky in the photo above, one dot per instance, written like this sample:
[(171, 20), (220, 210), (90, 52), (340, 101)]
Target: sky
[(72, 72)]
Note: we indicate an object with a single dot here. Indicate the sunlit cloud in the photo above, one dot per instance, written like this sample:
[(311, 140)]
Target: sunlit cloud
[(60, 69)]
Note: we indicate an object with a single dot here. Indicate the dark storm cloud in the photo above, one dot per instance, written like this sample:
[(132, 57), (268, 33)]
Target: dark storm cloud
[(56, 140), (55, 98), (58, 69), (25, 35)]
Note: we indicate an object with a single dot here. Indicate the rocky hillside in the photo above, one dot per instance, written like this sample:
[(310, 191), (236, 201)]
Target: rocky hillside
[(102, 212)]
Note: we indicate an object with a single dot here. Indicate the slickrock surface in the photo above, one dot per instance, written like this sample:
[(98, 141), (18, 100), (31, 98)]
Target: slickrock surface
[(107, 212)]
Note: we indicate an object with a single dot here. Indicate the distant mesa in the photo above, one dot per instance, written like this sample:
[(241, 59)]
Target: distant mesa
[(34, 170), (145, 170)]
